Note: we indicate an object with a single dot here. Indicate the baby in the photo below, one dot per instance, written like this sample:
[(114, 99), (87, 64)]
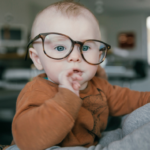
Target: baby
[(68, 105)]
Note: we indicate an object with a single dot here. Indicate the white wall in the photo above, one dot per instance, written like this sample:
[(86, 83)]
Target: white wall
[(125, 22), (23, 12), (19, 11)]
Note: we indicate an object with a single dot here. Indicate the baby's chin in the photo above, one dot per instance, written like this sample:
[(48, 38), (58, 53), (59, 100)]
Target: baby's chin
[(83, 86)]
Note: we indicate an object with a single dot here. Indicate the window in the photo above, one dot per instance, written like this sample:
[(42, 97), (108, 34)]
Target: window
[(148, 39)]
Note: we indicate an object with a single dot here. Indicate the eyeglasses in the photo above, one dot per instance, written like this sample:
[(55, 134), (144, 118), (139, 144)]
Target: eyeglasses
[(59, 46)]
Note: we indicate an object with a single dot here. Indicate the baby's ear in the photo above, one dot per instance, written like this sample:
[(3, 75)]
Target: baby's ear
[(35, 58)]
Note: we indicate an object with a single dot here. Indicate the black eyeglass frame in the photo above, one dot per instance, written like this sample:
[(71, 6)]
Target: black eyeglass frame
[(43, 35)]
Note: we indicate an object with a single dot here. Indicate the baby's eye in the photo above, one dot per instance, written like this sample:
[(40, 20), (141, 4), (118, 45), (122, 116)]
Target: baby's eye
[(85, 48), (60, 48)]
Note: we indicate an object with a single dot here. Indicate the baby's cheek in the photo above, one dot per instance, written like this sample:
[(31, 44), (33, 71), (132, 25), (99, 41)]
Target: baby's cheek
[(91, 72), (52, 74)]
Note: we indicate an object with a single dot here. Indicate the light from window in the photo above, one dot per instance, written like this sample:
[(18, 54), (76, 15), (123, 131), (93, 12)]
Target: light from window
[(148, 39)]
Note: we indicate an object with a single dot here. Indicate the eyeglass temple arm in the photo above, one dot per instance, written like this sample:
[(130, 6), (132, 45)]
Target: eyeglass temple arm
[(30, 44), (108, 47)]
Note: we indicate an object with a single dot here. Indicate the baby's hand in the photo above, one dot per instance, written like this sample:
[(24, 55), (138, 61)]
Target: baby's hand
[(69, 79)]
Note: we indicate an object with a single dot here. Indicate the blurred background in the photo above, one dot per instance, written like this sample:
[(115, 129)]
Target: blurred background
[(124, 24)]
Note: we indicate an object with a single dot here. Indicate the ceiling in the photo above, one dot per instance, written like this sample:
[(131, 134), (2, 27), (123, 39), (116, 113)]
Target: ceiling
[(108, 6)]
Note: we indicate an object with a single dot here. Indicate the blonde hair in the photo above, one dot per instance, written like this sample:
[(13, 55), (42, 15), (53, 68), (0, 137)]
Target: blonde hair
[(66, 7), (70, 7)]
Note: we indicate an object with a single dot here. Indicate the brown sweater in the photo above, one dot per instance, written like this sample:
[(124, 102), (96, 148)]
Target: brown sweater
[(47, 115)]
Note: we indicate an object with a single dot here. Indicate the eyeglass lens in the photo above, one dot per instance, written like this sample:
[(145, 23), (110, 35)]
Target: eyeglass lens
[(59, 46)]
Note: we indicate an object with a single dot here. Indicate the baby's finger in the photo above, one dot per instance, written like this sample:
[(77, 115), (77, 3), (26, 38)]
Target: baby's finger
[(75, 85), (76, 77), (69, 72), (79, 73)]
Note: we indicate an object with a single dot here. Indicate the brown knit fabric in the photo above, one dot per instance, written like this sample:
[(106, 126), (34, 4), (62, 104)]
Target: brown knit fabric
[(47, 115)]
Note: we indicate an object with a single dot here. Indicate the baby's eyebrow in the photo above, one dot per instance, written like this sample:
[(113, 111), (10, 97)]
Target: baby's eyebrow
[(37, 42), (62, 37)]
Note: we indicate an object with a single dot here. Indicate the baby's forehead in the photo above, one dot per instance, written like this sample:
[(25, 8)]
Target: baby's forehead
[(47, 17)]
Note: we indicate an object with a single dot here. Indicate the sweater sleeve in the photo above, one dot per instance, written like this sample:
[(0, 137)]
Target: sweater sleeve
[(42, 125), (123, 101)]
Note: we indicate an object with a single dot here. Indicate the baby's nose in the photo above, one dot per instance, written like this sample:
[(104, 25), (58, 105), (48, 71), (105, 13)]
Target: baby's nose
[(75, 55)]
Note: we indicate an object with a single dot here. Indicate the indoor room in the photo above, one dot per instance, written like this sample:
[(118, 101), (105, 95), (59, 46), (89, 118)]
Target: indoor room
[(124, 24)]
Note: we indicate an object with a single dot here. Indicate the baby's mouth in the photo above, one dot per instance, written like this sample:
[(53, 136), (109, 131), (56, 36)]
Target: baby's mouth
[(77, 71)]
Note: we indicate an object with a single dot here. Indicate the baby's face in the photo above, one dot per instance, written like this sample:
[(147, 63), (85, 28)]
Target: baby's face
[(79, 28)]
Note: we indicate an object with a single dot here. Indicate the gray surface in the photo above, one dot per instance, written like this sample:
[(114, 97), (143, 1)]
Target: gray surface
[(134, 134)]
